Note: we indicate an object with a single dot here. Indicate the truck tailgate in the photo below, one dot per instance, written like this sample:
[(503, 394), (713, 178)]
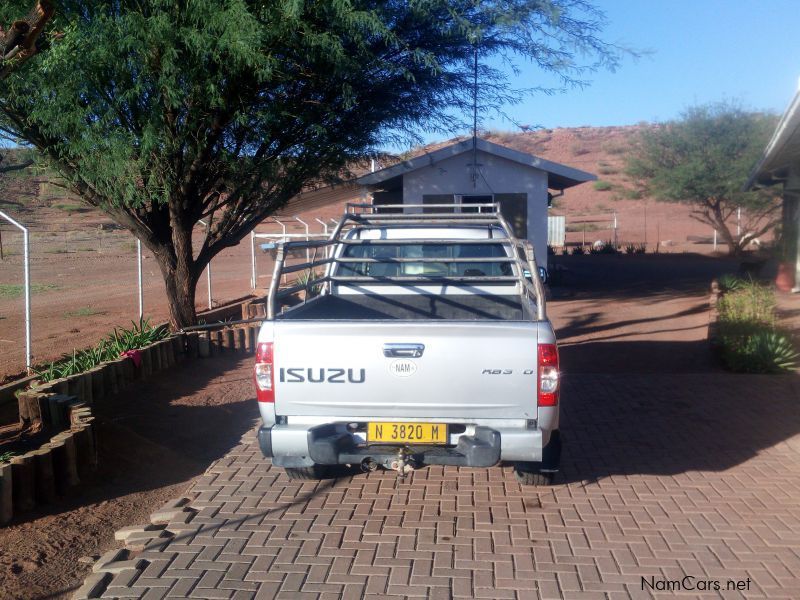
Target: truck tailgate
[(466, 370)]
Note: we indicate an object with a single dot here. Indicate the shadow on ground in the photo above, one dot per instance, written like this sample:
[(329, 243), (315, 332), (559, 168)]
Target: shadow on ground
[(648, 278), (166, 430), (668, 425)]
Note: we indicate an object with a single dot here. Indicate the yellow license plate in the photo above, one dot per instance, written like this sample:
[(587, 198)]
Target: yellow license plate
[(407, 433)]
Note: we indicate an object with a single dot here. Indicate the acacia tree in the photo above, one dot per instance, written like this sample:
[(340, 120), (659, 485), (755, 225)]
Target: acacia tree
[(162, 113), (18, 43), (703, 160)]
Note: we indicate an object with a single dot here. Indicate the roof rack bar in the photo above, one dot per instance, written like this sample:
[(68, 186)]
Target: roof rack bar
[(424, 242), (424, 279), (307, 266), (496, 259), (432, 220), (422, 216), (494, 205)]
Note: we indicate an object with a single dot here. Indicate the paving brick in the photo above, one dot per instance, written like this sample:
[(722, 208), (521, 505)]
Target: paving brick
[(640, 495)]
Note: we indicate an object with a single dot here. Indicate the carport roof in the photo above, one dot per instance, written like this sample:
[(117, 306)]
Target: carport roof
[(783, 150), (559, 176)]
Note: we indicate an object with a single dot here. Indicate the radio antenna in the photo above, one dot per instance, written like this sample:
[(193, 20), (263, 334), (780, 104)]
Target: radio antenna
[(475, 119)]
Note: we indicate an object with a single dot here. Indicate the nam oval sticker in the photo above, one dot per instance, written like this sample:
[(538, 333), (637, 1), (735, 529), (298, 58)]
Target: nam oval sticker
[(402, 367)]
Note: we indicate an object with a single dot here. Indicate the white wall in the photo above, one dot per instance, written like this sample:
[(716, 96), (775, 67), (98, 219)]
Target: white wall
[(498, 176)]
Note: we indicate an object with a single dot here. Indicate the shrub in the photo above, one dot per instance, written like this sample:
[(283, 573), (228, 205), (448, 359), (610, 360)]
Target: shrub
[(609, 248), (751, 303), (639, 248), (578, 250), (603, 186), (730, 283), (749, 338), (760, 352), (579, 150)]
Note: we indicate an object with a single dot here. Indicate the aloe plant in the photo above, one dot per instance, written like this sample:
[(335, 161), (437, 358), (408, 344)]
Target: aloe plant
[(111, 347)]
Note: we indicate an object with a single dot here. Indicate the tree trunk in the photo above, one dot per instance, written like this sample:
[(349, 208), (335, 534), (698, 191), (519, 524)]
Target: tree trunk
[(180, 272), (718, 222), (180, 287)]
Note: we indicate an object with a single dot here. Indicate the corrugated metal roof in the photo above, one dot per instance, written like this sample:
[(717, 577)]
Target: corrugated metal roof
[(783, 150), (559, 176)]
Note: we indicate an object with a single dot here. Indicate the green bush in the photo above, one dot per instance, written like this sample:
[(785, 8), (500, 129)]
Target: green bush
[(603, 186), (750, 341), (635, 248), (730, 283), (578, 250), (762, 351), (750, 303)]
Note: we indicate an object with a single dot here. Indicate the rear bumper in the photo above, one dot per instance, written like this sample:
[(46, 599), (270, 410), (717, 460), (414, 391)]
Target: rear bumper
[(331, 444)]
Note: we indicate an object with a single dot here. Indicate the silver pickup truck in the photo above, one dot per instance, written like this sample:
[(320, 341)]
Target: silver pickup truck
[(422, 339)]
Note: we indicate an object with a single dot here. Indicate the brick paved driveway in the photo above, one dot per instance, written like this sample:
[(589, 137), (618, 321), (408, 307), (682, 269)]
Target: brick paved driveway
[(664, 476)]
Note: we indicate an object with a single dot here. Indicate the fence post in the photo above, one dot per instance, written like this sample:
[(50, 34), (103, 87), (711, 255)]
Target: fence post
[(27, 270), (141, 291), (253, 276)]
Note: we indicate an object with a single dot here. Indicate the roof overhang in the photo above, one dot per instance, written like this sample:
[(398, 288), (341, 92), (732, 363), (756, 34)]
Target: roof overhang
[(782, 153), (559, 177)]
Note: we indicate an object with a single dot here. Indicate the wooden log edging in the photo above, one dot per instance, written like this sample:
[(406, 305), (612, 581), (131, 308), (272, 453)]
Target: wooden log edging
[(42, 475)]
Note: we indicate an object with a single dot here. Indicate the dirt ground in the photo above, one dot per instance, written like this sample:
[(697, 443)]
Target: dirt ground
[(154, 439)]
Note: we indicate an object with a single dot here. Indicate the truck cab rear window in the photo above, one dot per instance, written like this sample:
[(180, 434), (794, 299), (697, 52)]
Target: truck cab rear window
[(388, 252)]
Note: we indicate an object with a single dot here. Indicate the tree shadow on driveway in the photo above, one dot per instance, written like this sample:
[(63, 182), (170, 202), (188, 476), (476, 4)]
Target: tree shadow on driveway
[(667, 423), (165, 430)]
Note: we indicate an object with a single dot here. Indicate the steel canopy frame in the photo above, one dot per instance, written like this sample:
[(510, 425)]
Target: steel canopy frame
[(27, 267), (522, 253)]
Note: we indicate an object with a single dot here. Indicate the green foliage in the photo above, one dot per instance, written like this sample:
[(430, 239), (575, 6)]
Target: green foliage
[(751, 303), (121, 340), (305, 278), (763, 351), (635, 248), (163, 113), (7, 456), (730, 283), (703, 160), (12, 290), (606, 248), (615, 149), (86, 311), (749, 338), (603, 186)]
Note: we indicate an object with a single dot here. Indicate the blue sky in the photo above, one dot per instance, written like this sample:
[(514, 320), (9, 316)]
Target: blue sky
[(702, 51)]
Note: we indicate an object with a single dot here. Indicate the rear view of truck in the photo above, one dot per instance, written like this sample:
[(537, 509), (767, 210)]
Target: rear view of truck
[(426, 343)]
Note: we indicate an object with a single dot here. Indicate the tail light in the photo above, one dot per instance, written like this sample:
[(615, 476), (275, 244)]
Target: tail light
[(548, 375), (265, 389)]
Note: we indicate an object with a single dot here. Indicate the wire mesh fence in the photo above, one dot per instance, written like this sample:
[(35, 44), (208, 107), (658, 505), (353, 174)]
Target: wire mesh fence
[(85, 281)]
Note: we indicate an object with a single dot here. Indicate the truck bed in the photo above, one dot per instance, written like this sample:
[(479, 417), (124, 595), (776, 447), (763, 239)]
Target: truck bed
[(411, 307)]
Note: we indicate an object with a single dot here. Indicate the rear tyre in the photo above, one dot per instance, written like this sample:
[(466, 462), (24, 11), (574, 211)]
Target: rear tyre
[(525, 477), (307, 473)]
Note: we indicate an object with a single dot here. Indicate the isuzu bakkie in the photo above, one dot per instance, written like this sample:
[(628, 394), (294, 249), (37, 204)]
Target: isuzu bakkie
[(422, 339)]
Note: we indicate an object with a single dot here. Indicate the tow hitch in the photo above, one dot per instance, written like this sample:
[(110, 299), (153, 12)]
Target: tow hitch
[(403, 463)]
